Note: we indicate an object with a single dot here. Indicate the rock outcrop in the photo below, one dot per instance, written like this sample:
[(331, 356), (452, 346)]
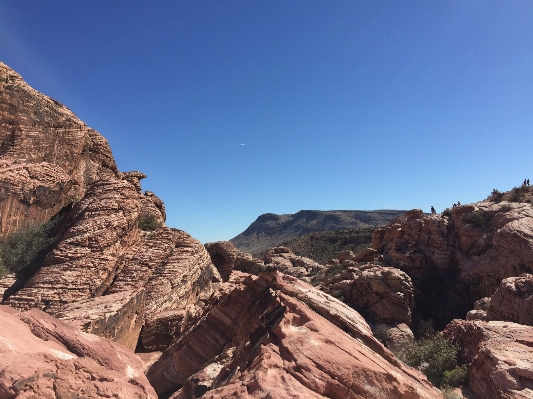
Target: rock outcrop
[(383, 294), (513, 300), (289, 263), (457, 259), (269, 340), (499, 357), (48, 157), (226, 258), (118, 317), (42, 357)]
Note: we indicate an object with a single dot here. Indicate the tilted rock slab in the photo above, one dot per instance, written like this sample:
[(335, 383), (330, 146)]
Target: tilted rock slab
[(48, 156), (42, 357), (87, 259), (289, 351), (118, 317), (499, 356), (226, 258), (284, 260), (177, 273)]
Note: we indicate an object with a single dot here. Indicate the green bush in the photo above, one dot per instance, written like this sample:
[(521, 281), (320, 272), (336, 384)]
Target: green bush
[(148, 223), (447, 212), (21, 247), (381, 332), (506, 208), (516, 194), (455, 377), (476, 218), (433, 356), (496, 195), (3, 269), (335, 268)]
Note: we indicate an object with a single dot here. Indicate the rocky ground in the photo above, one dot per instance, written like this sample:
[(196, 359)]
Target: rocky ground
[(110, 310)]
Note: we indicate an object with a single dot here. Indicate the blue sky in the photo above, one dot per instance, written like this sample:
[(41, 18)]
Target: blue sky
[(238, 108)]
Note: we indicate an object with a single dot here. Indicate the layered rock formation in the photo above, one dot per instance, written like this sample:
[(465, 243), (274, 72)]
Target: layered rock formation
[(265, 338), (270, 230), (285, 261), (457, 259), (498, 355), (41, 357), (226, 258), (49, 157)]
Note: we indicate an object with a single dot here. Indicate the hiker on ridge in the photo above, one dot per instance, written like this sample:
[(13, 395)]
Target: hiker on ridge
[(433, 210)]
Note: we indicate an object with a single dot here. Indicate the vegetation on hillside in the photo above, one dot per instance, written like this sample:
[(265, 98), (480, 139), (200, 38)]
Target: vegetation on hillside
[(20, 248), (521, 193), (326, 245)]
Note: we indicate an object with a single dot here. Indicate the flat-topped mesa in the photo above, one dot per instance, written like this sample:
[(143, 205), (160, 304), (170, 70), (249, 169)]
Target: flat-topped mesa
[(48, 157)]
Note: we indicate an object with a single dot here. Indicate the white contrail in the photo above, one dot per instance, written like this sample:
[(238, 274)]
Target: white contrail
[(464, 56)]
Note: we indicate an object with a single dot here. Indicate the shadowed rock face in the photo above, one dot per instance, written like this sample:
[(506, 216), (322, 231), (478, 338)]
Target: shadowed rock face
[(270, 230), (498, 355), (454, 261), (46, 358), (48, 157)]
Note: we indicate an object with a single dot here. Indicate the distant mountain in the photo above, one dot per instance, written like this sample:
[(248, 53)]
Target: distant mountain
[(270, 229)]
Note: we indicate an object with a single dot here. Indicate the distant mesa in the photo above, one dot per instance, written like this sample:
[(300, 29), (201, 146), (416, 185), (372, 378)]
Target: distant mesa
[(270, 230)]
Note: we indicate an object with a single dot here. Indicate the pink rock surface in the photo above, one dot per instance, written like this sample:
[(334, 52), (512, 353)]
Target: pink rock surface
[(499, 356), (284, 260), (118, 317), (513, 300), (41, 357), (48, 157), (226, 258)]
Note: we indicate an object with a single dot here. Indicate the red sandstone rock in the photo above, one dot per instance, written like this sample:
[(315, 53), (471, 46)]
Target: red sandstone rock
[(513, 300), (42, 357), (398, 337), (87, 259), (385, 294), (118, 317), (226, 258), (48, 157), (305, 356), (287, 262), (499, 356)]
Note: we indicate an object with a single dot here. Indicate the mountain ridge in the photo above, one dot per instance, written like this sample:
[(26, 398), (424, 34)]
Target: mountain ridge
[(270, 229)]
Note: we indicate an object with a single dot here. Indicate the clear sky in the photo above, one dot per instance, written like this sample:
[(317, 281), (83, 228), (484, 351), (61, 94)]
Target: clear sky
[(237, 108)]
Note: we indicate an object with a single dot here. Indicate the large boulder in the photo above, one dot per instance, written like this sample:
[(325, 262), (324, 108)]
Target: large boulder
[(513, 300), (284, 260), (48, 157), (42, 357), (499, 356), (226, 258), (266, 338)]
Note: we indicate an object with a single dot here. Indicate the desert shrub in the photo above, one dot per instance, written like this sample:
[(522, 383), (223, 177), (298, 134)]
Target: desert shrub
[(433, 356), (496, 195), (476, 218), (448, 393), (149, 223), (3, 269), (447, 212), (505, 208), (425, 329), (381, 332), (455, 377), (22, 246), (335, 268), (516, 194)]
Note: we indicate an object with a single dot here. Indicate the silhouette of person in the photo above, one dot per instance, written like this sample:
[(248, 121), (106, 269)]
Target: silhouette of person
[(458, 203), (454, 205), (528, 182), (525, 182), (433, 210)]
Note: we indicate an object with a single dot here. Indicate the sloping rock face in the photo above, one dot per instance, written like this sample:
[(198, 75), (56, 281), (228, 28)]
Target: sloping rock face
[(269, 340), (271, 230), (48, 157), (286, 262), (226, 258), (42, 357), (86, 260), (118, 317), (456, 260), (499, 357)]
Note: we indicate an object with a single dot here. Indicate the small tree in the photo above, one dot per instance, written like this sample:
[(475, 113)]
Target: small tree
[(19, 248), (149, 222)]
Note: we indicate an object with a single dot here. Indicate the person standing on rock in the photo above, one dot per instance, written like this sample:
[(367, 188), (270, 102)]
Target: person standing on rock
[(528, 182), (458, 203), (433, 211)]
